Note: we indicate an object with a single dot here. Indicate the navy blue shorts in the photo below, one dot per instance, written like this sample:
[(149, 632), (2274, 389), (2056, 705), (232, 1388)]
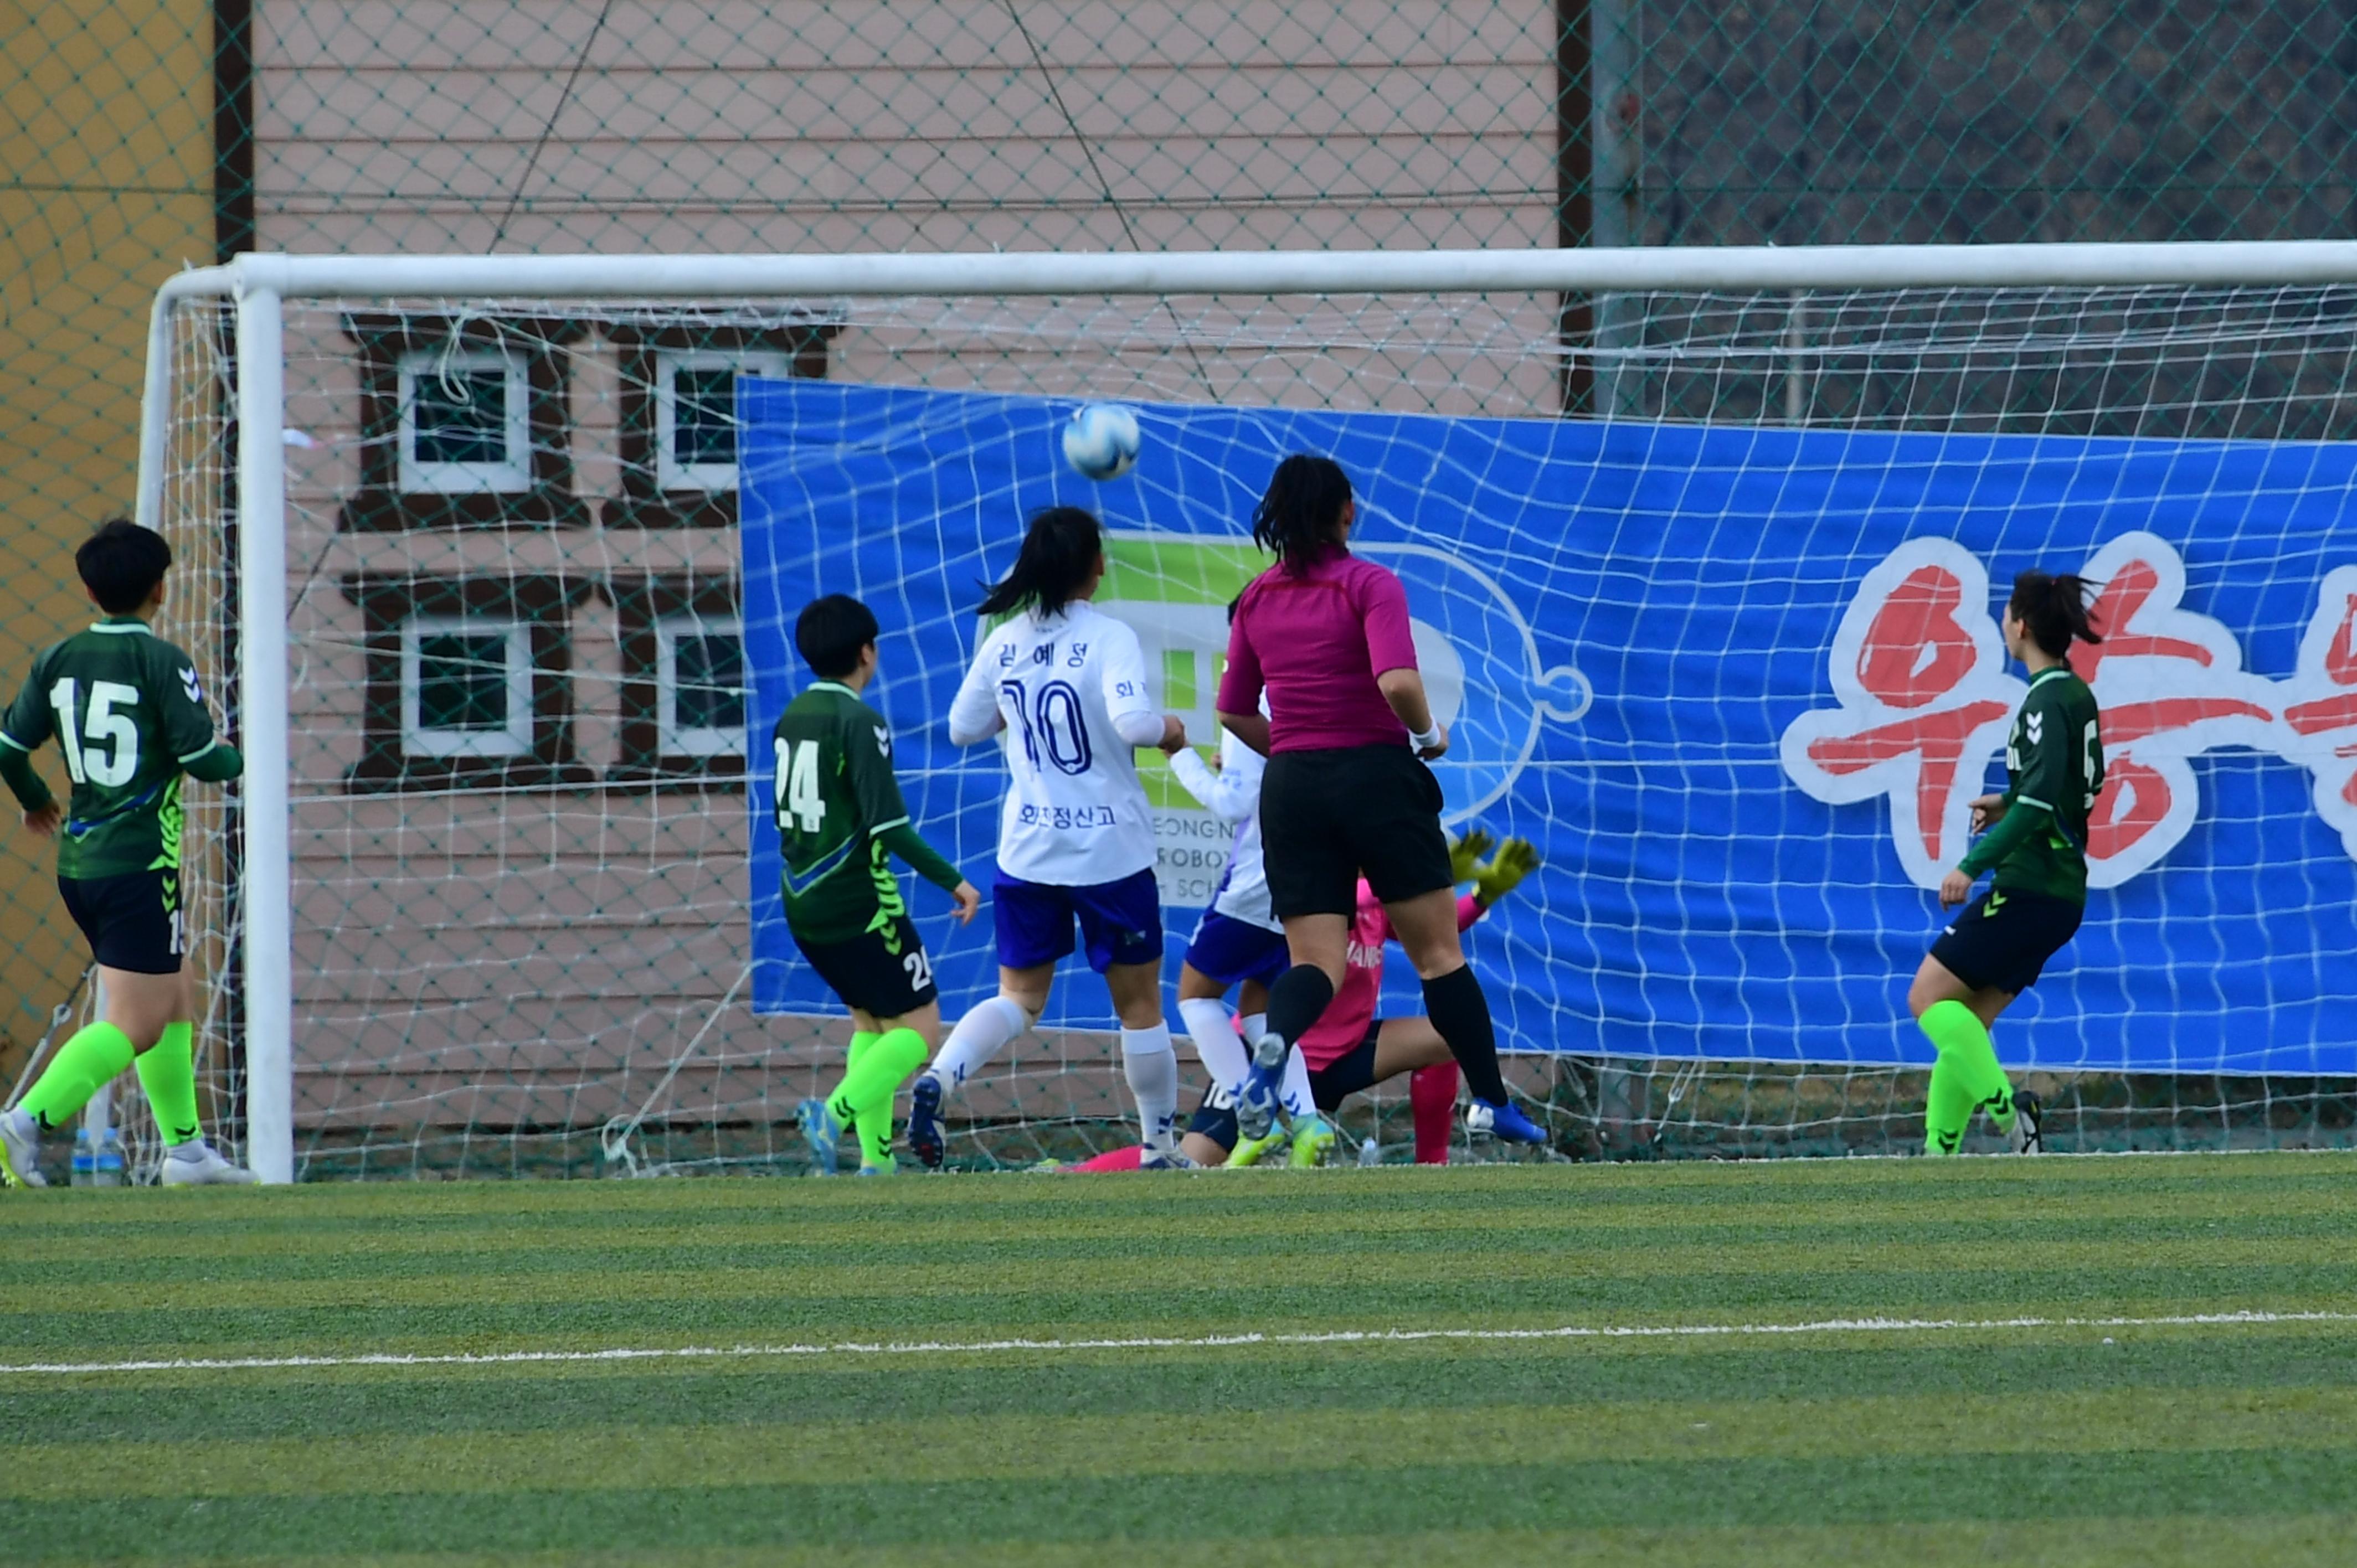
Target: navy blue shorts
[(1215, 1118), (1231, 951), (1121, 922)]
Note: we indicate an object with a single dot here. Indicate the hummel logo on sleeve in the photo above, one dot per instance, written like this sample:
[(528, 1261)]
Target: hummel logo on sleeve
[(188, 683), (883, 740), (2035, 725)]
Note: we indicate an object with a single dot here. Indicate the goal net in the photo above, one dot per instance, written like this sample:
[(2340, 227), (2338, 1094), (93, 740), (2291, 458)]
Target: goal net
[(1706, 583)]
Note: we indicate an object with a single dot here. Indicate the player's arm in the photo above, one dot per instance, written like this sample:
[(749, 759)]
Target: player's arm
[(1232, 793), (2028, 808), (187, 722), (866, 745), (28, 724), (1241, 684), (1129, 699), (974, 712)]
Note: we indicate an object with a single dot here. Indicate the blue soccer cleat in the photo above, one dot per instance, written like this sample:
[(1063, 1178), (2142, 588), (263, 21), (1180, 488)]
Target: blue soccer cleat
[(822, 1132), (1503, 1122), (925, 1121), (1259, 1100)]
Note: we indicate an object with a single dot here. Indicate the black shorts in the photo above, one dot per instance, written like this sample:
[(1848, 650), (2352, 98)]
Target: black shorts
[(2004, 938), (1215, 1118), (134, 921), (883, 973), (1347, 1074), (1327, 818)]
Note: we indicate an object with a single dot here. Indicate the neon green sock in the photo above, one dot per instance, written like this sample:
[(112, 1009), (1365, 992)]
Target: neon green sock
[(1964, 1077), (89, 1060), (167, 1072), (868, 1089), (839, 1100)]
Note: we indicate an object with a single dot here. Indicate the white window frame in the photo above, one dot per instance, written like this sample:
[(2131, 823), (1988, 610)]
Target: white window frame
[(671, 474), (507, 477), (417, 739), (671, 740)]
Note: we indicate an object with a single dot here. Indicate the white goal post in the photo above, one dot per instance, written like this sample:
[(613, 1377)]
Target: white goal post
[(261, 286)]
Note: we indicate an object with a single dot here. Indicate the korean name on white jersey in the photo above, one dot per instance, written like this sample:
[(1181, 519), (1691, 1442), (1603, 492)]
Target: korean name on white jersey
[(1072, 692)]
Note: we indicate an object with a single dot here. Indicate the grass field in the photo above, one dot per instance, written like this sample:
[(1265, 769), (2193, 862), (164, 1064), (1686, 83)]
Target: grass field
[(1807, 1362)]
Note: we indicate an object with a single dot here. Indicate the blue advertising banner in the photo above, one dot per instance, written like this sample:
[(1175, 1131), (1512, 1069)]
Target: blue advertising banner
[(1738, 685)]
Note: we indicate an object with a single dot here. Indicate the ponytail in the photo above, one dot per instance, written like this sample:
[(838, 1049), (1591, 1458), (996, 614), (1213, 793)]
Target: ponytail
[(2053, 606), (1061, 549), (1297, 518)]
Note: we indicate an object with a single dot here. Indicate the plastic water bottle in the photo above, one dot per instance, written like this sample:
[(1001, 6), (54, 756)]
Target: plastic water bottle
[(85, 1159), (109, 1170), (1370, 1153)]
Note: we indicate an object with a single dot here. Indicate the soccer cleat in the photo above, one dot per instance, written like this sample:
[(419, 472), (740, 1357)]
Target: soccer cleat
[(2027, 1133), (1253, 1151), (205, 1168), (1257, 1101), (882, 1170), (821, 1131), (1313, 1140), (1170, 1159), (925, 1121), (1503, 1122), (20, 1151)]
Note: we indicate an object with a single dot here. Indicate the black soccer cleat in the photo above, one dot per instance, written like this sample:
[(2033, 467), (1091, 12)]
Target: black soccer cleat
[(2028, 1132), (925, 1121)]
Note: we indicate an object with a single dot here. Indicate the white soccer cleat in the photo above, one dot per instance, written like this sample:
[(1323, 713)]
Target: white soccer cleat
[(205, 1169), (20, 1152), (1170, 1159)]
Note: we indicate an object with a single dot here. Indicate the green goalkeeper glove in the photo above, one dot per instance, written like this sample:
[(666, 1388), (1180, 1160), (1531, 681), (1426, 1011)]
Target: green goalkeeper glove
[(1465, 854), (1515, 859)]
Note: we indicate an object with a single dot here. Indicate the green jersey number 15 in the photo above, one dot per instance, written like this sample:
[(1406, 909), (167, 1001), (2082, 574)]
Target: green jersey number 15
[(82, 733)]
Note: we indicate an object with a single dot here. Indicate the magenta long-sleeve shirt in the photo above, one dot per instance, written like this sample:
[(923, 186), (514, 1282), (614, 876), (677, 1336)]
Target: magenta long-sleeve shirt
[(1316, 642)]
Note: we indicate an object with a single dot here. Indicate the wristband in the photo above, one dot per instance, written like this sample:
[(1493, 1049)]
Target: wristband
[(1427, 740)]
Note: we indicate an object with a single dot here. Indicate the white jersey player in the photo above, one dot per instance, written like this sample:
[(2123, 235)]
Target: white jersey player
[(1064, 687)]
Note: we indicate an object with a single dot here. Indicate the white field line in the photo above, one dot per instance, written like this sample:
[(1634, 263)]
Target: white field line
[(1143, 1342)]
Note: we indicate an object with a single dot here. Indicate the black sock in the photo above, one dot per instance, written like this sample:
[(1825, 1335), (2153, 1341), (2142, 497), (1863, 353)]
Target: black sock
[(1297, 999), (1461, 1014)]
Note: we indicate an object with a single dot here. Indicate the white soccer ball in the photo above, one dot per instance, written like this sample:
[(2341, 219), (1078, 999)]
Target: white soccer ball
[(1101, 441)]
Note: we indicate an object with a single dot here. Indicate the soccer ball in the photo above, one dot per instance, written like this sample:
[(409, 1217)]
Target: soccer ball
[(1101, 441)]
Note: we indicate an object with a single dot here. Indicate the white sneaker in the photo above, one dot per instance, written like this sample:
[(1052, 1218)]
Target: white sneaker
[(20, 1152), (206, 1169), (1170, 1159)]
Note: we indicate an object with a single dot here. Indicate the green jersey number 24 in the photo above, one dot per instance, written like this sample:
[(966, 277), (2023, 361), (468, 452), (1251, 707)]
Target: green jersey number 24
[(798, 795), (101, 746)]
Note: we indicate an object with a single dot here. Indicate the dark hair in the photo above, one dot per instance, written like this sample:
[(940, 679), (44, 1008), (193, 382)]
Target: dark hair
[(121, 564), (2053, 607), (1060, 548), (831, 631), (1296, 518)]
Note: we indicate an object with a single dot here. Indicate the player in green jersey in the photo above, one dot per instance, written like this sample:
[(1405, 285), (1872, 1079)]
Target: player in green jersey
[(126, 709), (840, 821), (2038, 847)]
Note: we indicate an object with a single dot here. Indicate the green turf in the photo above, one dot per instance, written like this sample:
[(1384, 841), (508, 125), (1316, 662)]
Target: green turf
[(1983, 1441)]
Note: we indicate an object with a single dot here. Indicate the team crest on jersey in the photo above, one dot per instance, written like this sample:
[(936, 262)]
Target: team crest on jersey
[(1918, 670)]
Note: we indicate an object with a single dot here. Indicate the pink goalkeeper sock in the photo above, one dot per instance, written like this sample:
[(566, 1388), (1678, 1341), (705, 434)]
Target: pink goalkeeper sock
[(1112, 1160), (1432, 1097)]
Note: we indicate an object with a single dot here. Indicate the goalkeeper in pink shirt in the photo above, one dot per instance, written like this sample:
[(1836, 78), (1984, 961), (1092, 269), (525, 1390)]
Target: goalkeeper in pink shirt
[(1350, 1048)]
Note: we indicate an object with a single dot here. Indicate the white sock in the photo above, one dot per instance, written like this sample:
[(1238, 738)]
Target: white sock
[(1208, 1025), (1294, 1093), (1256, 1025), (1152, 1068), (979, 1035)]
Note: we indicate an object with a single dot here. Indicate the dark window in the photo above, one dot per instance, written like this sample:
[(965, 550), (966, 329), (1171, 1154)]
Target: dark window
[(710, 681), (704, 427), (462, 680), (462, 416)]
